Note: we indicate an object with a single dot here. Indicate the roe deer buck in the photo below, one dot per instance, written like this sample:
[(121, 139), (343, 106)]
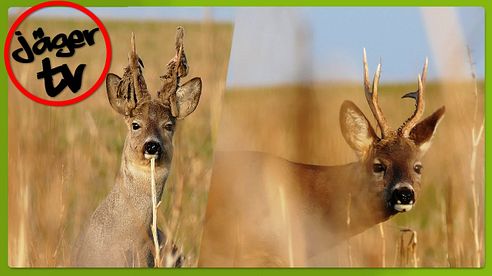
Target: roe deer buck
[(268, 211), (119, 233)]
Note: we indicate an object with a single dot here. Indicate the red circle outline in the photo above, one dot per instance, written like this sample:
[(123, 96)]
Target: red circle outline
[(37, 7)]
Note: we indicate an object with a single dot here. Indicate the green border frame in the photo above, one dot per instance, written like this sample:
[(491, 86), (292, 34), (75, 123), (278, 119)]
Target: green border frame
[(4, 269)]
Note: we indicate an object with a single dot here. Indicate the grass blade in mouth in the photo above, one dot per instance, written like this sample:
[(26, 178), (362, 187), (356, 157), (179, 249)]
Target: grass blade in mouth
[(157, 257)]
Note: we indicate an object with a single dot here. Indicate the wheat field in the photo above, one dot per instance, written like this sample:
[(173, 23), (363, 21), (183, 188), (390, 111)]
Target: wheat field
[(63, 160)]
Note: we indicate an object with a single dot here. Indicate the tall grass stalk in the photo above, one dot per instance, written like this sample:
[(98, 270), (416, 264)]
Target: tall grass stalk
[(383, 245), (286, 221), (476, 136), (408, 250), (157, 257), (349, 245)]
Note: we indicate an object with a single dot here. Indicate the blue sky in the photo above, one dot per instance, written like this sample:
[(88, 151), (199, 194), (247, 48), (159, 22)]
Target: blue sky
[(278, 45), (394, 34)]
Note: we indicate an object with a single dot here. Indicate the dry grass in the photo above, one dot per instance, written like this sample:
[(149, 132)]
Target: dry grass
[(301, 124), (63, 161)]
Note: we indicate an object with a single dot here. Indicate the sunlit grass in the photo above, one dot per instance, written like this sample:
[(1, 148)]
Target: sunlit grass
[(301, 123), (63, 161)]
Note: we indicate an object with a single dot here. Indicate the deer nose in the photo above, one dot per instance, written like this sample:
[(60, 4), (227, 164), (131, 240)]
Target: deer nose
[(152, 148), (404, 196)]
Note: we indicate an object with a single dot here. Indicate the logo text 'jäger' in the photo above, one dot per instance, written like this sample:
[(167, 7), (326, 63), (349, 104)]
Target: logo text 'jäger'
[(65, 47)]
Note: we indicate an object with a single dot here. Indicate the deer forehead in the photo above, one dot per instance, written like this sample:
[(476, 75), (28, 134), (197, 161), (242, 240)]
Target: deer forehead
[(153, 111), (396, 148)]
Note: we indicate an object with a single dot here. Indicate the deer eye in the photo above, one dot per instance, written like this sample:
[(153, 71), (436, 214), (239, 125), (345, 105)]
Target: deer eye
[(135, 126), (169, 126), (418, 168), (378, 167)]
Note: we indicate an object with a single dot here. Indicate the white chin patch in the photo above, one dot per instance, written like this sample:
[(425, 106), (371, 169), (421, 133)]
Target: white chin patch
[(403, 207), (150, 156)]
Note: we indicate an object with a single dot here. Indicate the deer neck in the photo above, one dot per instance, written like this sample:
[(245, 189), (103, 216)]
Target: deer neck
[(133, 187), (341, 198)]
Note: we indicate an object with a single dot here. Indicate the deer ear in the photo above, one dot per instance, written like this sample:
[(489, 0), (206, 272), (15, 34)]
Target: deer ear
[(356, 129), (187, 97), (123, 95), (423, 132), (112, 84)]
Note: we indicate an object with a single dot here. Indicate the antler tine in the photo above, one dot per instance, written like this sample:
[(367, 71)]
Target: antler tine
[(182, 64), (424, 70), (179, 38), (134, 47), (141, 92), (372, 96), (418, 96), (367, 85), (132, 56)]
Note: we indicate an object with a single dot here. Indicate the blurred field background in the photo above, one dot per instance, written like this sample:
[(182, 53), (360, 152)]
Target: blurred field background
[(297, 118), (301, 124), (63, 160)]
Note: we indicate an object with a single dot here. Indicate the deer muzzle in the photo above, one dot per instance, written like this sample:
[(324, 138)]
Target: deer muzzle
[(402, 197), (152, 149)]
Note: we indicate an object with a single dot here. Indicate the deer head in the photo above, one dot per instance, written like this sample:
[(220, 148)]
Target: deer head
[(391, 162), (151, 122)]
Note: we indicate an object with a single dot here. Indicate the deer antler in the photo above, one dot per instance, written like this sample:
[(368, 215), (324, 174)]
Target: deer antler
[(372, 96), (419, 103), (176, 68), (136, 71), (131, 88)]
